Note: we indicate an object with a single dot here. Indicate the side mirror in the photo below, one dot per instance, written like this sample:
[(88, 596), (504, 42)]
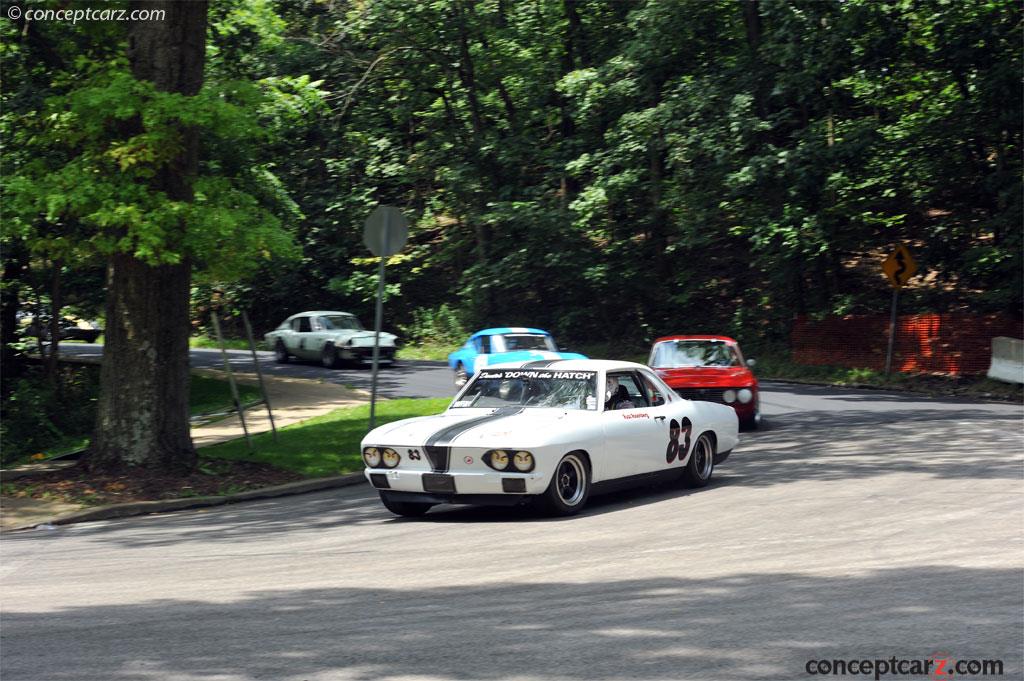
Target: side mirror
[(751, 363)]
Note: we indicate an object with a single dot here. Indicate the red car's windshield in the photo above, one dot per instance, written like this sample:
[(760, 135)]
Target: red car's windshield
[(694, 353)]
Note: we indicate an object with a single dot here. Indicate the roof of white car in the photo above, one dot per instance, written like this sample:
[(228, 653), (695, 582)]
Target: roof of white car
[(573, 364), (321, 313)]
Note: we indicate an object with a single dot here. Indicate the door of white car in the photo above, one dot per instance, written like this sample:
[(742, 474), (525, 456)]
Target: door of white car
[(676, 432), (301, 337), (635, 432)]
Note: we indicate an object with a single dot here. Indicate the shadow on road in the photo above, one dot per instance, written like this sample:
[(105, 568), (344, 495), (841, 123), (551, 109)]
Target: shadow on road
[(964, 444), (746, 626)]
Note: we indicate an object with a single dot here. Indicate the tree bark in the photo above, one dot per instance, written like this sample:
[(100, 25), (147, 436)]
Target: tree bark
[(143, 416)]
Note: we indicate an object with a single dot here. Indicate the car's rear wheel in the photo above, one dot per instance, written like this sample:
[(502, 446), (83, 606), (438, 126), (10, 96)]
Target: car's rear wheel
[(701, 464), (406, 509), (280, 353), (329, 356), (569, 489), (460, 375)]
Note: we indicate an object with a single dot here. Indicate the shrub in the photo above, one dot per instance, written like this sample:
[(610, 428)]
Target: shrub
[(35, 417), (440, 325)]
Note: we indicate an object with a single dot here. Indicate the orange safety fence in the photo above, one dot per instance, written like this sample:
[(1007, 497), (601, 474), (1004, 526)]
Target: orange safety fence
[(955, 343)]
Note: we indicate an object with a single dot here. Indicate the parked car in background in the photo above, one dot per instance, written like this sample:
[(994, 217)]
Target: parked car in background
[(551, 432), (328, 336), (501, 345), (709, 368), (70, 329)]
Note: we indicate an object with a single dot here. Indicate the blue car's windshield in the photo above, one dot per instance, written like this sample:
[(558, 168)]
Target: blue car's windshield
[(531, 388), (528, 341)]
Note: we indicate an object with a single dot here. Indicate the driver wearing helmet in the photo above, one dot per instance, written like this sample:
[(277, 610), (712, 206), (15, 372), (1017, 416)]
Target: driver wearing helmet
[(616, 395)]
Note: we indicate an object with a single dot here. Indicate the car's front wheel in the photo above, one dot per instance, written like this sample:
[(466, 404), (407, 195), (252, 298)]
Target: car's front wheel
[(406, 509), (701, 464), (460, 375), (569, 488), (280, 353), (329, 356)]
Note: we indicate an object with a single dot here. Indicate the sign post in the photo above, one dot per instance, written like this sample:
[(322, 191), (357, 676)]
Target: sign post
[(899, 267), (384, 233)]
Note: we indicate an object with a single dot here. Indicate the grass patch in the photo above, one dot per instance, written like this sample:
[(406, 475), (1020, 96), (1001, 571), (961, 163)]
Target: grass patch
[(207, 395), (440, 351), (325, 445), (433, 351), (781, 366), (229, 343)]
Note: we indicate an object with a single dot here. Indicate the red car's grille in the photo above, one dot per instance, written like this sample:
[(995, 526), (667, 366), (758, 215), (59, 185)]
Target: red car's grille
[(703, 394)]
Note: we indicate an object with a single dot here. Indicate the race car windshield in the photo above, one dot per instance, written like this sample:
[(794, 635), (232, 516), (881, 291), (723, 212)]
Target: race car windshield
[(528, 341), (341, 322), (531, 389), (694, 353)]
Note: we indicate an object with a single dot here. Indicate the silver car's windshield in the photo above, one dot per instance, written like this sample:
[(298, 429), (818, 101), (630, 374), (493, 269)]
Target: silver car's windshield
[(528, 341), (341, 322), (694, 353), (531, 388)]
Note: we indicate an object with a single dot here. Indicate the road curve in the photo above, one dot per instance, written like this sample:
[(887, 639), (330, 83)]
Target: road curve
[(409, 378), (858, 525)]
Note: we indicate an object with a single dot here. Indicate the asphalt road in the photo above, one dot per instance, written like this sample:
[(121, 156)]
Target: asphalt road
[(858, 525), (409, 378)]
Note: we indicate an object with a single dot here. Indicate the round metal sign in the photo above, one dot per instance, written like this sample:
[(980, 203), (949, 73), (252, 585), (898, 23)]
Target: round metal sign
[(385, 231)]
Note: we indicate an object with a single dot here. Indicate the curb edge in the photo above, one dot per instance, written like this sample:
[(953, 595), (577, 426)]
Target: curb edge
[(137, 508)]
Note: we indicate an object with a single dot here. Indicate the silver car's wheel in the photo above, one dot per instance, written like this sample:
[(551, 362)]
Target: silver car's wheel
[(460, 376), (280, 354), (569, 488), (329, 356), (702, 462)]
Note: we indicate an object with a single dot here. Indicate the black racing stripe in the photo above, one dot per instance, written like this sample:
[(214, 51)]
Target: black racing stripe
[(439, 445), (539, 363)]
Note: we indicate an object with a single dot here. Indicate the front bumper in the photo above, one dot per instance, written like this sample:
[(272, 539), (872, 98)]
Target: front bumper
[(458, 484), (363, 354)]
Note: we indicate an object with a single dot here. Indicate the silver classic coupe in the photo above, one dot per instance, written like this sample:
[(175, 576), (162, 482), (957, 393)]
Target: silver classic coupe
[(329, 336)]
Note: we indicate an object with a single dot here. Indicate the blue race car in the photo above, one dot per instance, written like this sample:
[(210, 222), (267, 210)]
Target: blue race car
[(504, 344)]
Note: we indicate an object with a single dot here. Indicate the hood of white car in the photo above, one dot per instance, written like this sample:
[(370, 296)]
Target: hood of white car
[(503, 427), (363, 338)]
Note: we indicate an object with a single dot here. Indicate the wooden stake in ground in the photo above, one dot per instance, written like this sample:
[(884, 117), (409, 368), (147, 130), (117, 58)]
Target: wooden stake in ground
[(259, 372), (231, 378)]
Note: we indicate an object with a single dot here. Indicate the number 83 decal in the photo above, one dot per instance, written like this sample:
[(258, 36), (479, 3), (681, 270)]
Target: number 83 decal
[(675, 447)]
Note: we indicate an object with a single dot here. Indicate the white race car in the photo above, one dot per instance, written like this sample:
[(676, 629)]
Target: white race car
[(551, 431)]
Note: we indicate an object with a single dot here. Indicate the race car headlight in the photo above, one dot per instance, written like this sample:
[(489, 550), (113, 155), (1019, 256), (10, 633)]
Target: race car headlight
[(745, 395), (371, 456), (729, 396), (390, 458), (497, 459), (523, 461)]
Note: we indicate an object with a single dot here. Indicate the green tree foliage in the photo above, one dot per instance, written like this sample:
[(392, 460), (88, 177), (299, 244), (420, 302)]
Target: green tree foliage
[(131, 159), (619, 170), (610, 170)]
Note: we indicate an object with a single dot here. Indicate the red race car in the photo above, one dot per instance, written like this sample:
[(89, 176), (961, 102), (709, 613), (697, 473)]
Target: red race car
[(709, 368)]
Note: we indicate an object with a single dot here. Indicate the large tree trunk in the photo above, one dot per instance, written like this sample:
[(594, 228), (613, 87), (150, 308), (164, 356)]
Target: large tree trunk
[(142, 416)]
